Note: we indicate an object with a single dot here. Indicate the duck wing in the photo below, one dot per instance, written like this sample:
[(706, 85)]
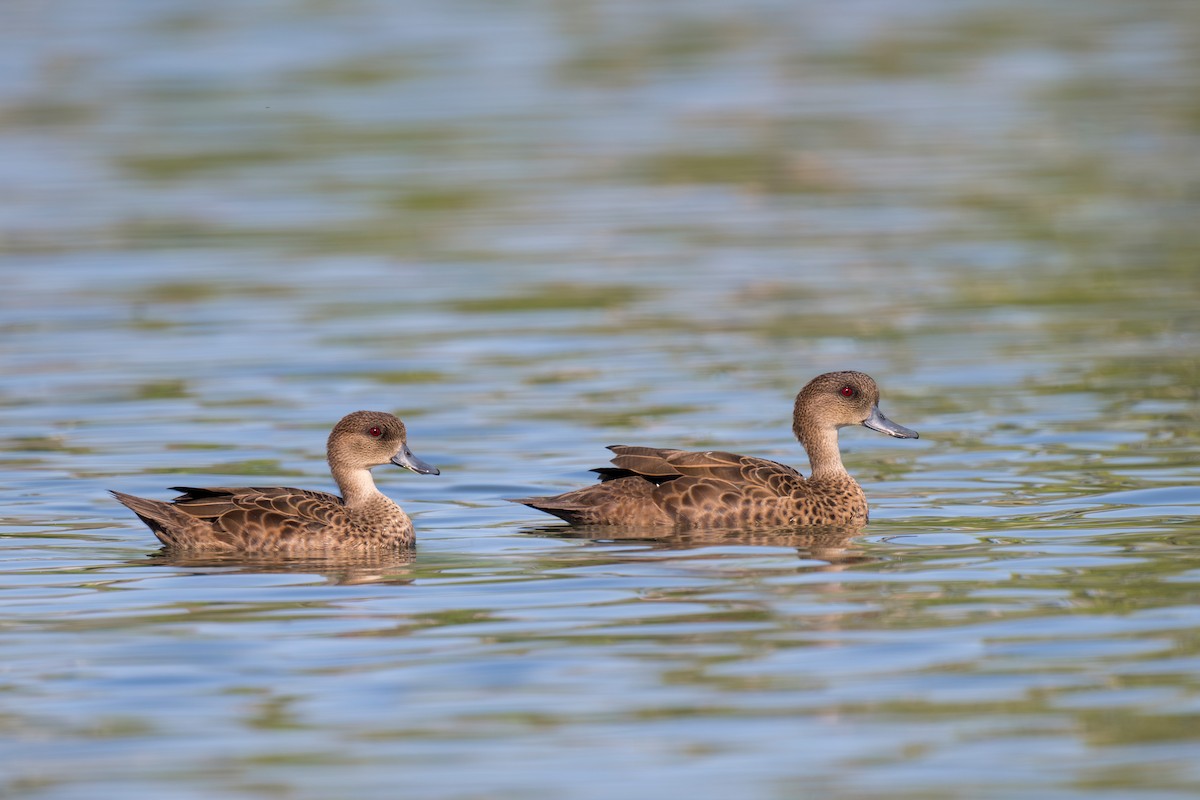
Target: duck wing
[(255, 518), (660, 466), (213, 503)]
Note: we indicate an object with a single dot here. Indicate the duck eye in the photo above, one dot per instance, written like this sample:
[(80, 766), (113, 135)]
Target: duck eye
[(848, 391), (376, 431)]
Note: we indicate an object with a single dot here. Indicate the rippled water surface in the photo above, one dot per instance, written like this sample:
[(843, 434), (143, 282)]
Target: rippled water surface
[(534, 229)]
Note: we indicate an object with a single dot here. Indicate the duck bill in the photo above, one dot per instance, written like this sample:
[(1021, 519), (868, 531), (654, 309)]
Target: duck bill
[(878, 422), (406, 459)]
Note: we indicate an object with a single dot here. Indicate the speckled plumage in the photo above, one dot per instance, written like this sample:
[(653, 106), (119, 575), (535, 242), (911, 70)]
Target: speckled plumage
[(648, 486), (283, 520)]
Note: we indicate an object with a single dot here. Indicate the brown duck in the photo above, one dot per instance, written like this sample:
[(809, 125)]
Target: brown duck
[(279, 520), (713, 489)]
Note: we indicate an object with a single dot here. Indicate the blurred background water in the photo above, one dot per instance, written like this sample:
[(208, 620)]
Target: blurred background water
[(537, 228)]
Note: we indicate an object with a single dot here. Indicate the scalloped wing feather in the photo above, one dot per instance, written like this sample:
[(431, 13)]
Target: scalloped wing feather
[(252, 519), (653, 463), (216, 503), (714, 488)]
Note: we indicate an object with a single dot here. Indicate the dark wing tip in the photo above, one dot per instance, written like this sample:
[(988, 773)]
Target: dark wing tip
[(123, 498)]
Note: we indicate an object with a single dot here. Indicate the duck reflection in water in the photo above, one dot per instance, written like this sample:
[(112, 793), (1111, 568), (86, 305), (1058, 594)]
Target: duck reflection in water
[(338, 569), (832, 545)]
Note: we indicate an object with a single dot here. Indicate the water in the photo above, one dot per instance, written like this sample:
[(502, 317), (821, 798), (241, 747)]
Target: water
[(535, 229)]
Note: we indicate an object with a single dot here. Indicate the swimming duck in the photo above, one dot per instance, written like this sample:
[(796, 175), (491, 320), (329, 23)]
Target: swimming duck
[(281, 520), (648, 486)]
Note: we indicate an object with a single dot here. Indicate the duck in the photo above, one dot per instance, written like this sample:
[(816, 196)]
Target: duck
[(281, 520), (652, 487)]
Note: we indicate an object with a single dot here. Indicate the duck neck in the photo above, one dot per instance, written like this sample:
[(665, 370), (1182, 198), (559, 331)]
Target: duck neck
[(823, 453), (356, 484)]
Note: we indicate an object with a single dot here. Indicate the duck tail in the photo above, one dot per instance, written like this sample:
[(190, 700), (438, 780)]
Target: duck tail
[(572, 512), (161, 518)]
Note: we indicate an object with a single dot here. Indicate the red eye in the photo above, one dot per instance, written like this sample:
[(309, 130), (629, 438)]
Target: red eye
[(376, 431), (848, 391)]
